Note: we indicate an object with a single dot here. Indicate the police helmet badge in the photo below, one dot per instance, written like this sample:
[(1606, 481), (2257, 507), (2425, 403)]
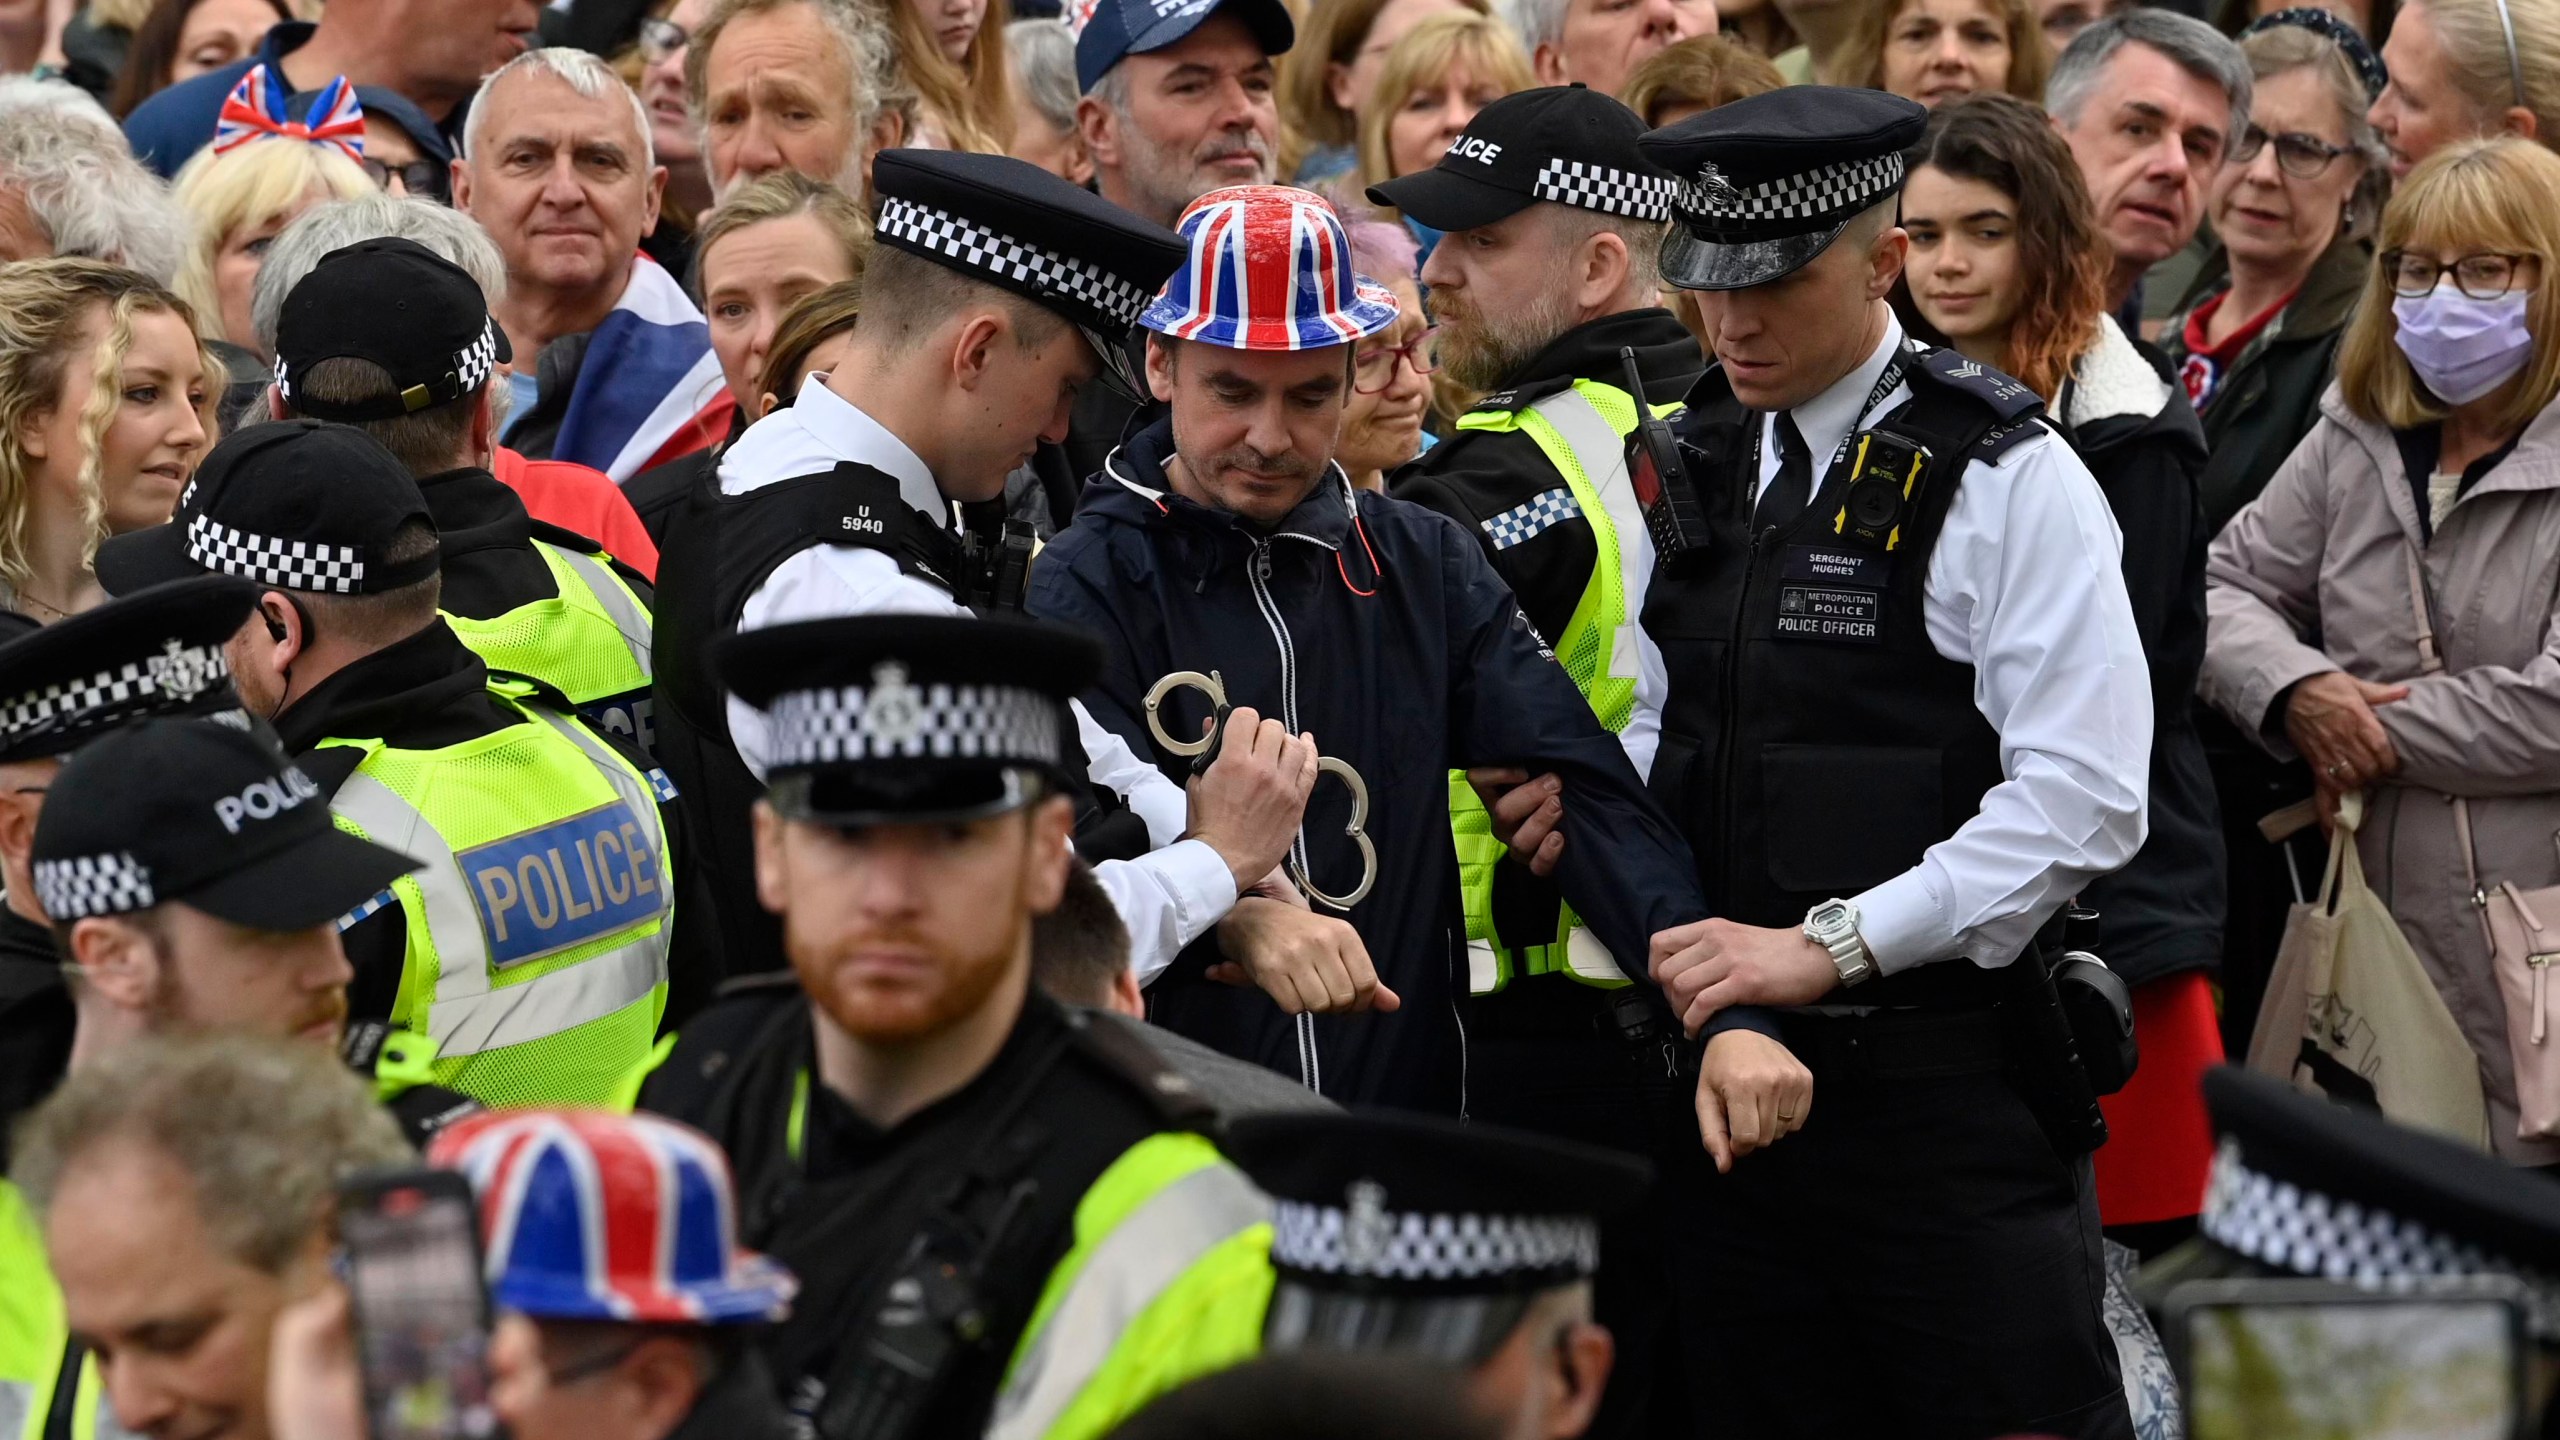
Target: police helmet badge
[(1366, 1228), (894, 709), (182, 673), (1710, 191)]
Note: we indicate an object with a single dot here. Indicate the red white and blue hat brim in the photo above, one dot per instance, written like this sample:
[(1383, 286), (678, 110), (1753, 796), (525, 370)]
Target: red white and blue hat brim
[(1373, 308), (757, 1290)]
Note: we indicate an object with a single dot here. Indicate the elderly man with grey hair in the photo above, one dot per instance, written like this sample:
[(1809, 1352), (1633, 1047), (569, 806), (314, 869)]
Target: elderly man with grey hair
[(613, 361), (69, 186), (805, 85), (2151, 102), (184, 1191), (1599, 43)]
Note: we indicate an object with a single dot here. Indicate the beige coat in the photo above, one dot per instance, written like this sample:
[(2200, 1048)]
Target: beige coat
[(2313, 577)]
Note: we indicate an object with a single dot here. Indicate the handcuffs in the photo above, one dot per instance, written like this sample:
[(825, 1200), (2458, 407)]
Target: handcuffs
[(1205, 751)]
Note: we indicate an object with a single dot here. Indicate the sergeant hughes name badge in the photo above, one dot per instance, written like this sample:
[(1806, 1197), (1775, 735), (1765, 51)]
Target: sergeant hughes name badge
[(1832, 594)]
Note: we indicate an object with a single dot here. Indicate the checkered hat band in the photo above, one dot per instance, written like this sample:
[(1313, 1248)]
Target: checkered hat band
[(471, 367), (1813, 194), (138, 686), (969, 246), (1412, 1246), (1600, 187), (941, 722), (87, 885), (287, 564)]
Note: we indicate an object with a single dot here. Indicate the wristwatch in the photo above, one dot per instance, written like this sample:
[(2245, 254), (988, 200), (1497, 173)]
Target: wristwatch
[(1833, 925)]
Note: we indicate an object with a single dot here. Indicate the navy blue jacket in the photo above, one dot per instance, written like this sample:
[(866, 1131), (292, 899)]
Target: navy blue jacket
[(1378, 627), (170, 127)]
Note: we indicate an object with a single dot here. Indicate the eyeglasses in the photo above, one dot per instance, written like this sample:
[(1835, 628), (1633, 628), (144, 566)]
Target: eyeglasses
[(661, 39), (1374, 370), (418, 177), (2301, 156), (2482, 277)]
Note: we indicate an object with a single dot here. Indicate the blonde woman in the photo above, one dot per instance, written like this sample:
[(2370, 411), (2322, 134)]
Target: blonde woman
[(1342, 48), (239, 199), (1433, 82), (951, 54), (2439, 443), (2461, 69), (105, 399)]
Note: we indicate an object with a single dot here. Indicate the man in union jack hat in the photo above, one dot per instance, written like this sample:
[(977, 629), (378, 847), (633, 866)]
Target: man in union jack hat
[(1225, 559)]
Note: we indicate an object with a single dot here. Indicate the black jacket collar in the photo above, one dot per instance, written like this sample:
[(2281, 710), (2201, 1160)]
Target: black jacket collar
[(474, 510), (1134, 487), (1667, 355), (425, 692)]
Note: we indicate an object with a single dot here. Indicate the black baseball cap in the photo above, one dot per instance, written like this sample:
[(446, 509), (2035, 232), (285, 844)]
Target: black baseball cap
[(400, 305), (155, 654), (912, 719), (206, 813), (1015, 226), (1767, 183), (292, 505), (1564, 143), (1121, 28)]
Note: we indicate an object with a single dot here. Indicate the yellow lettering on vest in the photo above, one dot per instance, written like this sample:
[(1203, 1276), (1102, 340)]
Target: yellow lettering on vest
[(568, 898), (545, 912), (498, 894), (613, 892)]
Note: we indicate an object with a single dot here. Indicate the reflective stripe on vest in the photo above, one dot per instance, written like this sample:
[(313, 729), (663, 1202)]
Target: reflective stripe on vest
[(1168, 1280), (590, 641), (1582, 432), (539, 925)]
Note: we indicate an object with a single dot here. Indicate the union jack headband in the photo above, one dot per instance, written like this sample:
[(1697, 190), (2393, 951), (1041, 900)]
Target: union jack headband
[(255, 110)]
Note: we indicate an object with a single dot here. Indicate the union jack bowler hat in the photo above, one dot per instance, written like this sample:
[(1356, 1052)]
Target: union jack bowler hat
[(1268, 269), (625, 1218)]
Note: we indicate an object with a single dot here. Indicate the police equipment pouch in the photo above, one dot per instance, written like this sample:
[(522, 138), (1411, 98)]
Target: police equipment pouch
[(994, 572), (1660, 479), (2099, 1004), (2045, 1057), (1885, 471)]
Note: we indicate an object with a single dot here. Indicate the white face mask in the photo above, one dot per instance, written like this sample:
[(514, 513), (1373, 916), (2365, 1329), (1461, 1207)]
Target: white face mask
[(2463, 348)]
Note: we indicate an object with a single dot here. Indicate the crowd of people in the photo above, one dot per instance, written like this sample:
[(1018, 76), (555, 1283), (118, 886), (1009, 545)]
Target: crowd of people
[(1267, 718)]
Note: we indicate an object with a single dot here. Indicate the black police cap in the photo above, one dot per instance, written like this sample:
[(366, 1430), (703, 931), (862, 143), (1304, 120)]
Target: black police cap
[(209, 814), (293, 505), (1767, 182), (396, 303), (889, 719), (1565, 143), (158, 653), (1015, 226), (1118, 29), (2307, 1186)]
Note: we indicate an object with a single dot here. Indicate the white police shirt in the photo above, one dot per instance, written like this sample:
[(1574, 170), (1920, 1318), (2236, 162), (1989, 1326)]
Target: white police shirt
[(2026, 585), (1168, 898)]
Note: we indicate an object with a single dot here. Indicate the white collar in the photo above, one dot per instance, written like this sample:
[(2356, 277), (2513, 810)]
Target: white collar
[(1828, 418), (849, 432)]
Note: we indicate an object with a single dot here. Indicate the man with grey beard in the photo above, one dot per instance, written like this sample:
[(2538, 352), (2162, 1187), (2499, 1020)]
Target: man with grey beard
[(1543, 285)]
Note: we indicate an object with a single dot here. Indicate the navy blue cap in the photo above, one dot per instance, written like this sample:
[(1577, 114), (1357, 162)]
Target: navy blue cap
[(1121, 28), (1768, 182)]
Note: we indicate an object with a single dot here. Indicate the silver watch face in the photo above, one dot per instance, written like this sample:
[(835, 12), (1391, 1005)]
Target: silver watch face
[(1831, 922)]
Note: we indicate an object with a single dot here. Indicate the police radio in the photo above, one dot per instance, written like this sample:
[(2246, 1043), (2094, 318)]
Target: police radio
[(1661, 481), (995, 572), (1885, 475)]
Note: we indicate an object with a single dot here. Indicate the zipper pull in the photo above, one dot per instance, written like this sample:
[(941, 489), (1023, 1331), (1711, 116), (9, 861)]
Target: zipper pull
[(1262, 562)]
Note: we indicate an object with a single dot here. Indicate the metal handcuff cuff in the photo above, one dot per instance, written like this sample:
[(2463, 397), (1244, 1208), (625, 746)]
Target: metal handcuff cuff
[(1205, 751)]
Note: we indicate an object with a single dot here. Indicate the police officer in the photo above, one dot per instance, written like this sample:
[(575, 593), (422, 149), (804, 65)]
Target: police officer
[(1545, 290), (1908, 717), (531, 599), (533, 948), (961, 1172), (995, 294), (1379, 1223)]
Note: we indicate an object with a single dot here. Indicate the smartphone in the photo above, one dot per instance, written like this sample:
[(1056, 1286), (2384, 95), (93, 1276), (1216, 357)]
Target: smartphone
[(421, 1306), (2445, 1359)]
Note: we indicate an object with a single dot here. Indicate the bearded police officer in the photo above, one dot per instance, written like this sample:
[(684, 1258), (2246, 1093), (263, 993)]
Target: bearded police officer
[(996, 293), (1908, 717), (1380, 1224), (533, 947), (531, 599), (973, 1183), (1545, 289)]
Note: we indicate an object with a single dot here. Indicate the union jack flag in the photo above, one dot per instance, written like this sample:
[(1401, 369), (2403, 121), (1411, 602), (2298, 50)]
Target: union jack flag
[(256, 109), (594, 1216), (1269, 269)]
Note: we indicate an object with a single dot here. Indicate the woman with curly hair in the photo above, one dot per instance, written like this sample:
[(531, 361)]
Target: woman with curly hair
[(106, 400), (2009, 267)]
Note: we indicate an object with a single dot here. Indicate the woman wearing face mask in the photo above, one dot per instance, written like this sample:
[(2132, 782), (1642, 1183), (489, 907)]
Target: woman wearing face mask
[(2438, 446)]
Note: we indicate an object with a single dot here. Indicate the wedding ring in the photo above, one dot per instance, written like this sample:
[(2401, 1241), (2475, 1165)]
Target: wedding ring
[(2336, 770)]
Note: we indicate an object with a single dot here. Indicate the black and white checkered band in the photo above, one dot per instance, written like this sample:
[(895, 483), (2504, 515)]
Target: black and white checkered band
[(892, 719), (178, 674), (1373, 1243), (87, 885), (970, 246), (289, 564), (1710, 201), (471, 367), (1601, 187), (2284, 1226)]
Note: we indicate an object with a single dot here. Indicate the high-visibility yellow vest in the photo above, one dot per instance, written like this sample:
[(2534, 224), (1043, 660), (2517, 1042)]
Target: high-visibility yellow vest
[(1582, 431), (590, 641), (538, 928)]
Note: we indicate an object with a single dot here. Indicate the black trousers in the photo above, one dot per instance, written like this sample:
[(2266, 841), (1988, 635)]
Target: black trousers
[(1916, 1262)]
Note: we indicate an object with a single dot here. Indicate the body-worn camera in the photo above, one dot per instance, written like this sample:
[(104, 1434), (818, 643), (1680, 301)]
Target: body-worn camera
[(1885, 473)]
